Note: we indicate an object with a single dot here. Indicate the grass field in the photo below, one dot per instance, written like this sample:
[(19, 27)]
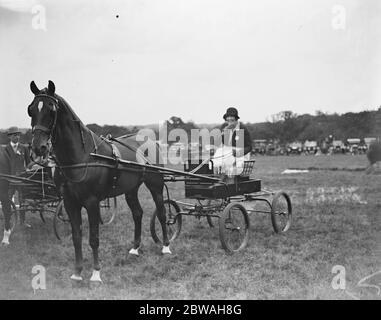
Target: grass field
[(336, 221)]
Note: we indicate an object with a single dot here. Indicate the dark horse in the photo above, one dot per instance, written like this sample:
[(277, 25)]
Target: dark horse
[(5, 168), (88, 180)]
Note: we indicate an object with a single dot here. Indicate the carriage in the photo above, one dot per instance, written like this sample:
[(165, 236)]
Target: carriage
[(37, 194), (224, 199)]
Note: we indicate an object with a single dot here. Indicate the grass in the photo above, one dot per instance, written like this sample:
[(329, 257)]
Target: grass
[(330, 228)]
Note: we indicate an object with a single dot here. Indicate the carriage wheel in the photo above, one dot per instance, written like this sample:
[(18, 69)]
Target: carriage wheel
[(61, 222), (234, 227), (108, 209), (173, 222), (281, 212)]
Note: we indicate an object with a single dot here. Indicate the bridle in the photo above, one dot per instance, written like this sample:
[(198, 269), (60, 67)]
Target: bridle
[(47, 131)]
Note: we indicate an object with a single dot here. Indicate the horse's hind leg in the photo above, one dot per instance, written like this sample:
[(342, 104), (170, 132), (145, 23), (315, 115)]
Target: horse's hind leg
[(137, 214), (156, 190), (93, 213)]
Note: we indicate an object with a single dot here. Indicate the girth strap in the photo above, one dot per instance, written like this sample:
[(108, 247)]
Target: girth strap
[(116, 173), (133, 149)]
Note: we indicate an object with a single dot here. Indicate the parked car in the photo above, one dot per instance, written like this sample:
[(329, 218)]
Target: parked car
[(338, 146), (310, 147), (294, 148)]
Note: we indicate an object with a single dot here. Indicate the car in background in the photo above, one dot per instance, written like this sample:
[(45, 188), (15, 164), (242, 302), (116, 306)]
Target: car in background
[(338, 146), (294, 148), (259, 146), (310, 147), (354, 144)]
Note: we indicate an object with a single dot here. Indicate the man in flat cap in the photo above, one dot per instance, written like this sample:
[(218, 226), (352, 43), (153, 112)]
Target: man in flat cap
[(19, 160)]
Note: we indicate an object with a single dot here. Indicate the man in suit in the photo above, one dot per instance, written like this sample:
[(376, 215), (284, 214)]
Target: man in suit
[(19, 153), (19, 161)]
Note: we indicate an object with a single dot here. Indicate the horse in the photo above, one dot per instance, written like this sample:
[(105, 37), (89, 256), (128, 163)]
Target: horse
[(5, 168), (87, 179)]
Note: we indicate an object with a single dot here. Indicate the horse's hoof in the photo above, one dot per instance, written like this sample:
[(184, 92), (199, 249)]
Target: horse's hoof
[(76, 277), (166, 250), (134, 252), (5, 241), (96, 277)]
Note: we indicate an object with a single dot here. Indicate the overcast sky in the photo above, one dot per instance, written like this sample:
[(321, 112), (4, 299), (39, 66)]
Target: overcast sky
[(191, 58)]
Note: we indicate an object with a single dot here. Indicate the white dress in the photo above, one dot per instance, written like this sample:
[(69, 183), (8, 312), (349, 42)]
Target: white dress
[(225, 163)]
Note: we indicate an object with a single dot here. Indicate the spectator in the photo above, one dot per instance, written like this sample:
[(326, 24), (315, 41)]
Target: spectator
[(19, 161)]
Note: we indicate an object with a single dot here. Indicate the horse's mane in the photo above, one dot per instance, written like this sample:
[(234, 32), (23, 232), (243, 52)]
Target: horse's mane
[(62, 103)]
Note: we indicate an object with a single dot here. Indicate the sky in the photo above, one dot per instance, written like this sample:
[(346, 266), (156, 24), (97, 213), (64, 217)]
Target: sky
[(136, 62)]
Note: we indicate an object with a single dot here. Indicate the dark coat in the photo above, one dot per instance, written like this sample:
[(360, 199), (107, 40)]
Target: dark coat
[(246, 136), (19, 160)]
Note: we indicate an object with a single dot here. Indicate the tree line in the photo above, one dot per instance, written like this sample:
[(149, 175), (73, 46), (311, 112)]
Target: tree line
[(285, 127)]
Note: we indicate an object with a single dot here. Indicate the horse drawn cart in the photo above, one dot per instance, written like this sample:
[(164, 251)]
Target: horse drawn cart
[(217, 196), (37, 193)]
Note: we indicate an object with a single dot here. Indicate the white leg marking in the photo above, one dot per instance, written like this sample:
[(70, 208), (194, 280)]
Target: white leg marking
[(76, 278), (166, 250), (96, 276), (134, 251), (6, 237)]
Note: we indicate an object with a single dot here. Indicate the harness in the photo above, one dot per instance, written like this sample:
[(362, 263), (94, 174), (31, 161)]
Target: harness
[(117, 156), (48, 131), (136, 150)]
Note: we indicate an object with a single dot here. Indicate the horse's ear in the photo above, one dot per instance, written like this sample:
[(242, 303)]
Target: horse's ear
[(51, 88), (34, 88)]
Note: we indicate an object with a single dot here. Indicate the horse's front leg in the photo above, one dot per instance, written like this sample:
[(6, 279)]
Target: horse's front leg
[(73, 209), (93, 213)]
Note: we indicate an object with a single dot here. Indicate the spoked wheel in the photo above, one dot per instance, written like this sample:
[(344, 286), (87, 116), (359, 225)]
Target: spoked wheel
[(61, 222), (281, 212), (208, 218), (174, 222), (234, 228), (108, 208)]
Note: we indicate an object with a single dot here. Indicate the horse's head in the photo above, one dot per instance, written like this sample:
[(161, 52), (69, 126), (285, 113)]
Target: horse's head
[(43, 111)]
